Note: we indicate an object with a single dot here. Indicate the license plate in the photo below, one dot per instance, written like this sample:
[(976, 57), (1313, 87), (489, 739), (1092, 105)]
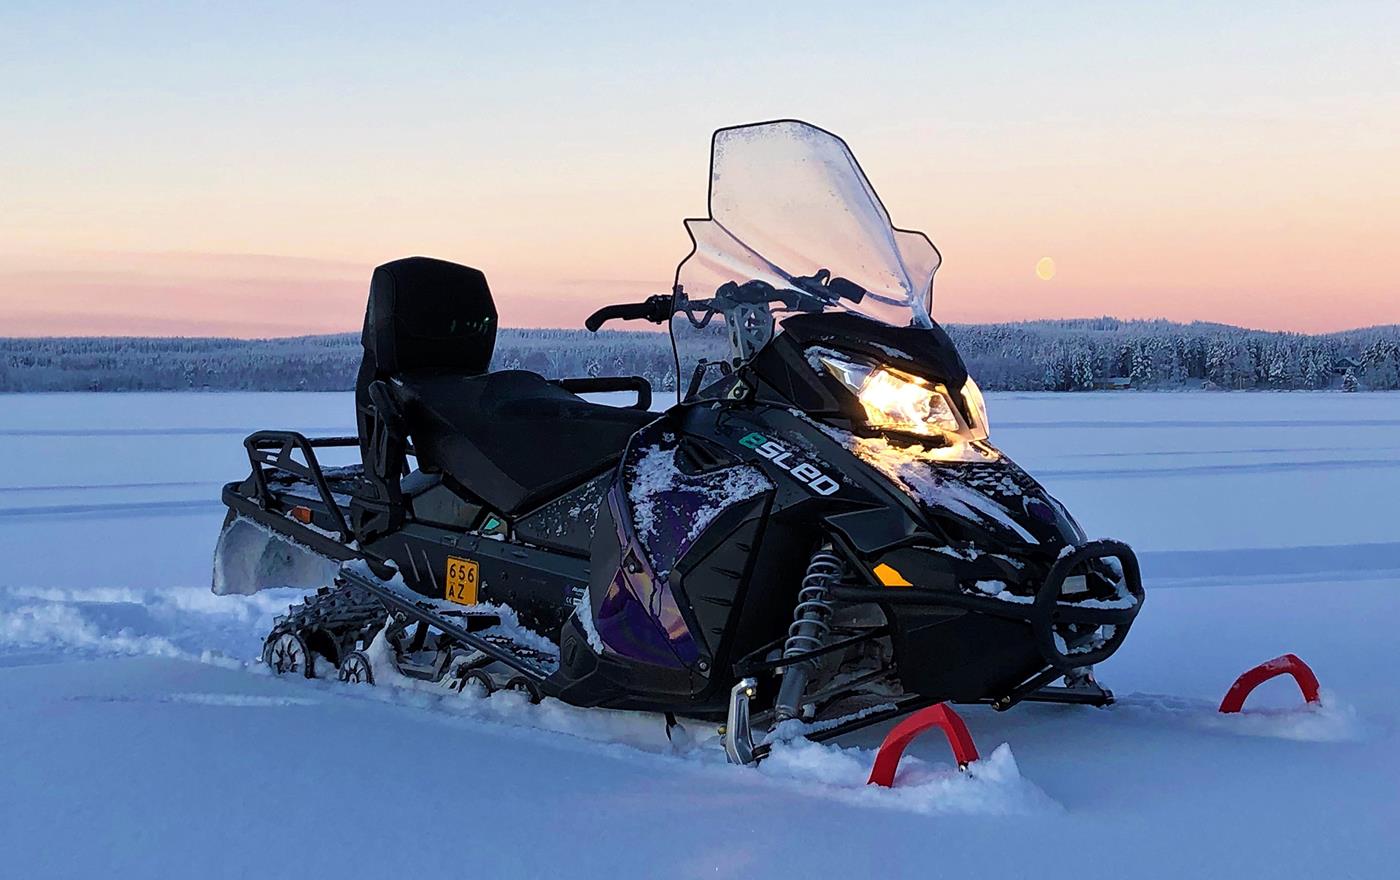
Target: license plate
[(463, 577)]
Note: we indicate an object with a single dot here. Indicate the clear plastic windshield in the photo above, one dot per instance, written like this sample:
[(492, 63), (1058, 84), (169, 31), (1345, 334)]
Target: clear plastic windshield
[(794, 226)]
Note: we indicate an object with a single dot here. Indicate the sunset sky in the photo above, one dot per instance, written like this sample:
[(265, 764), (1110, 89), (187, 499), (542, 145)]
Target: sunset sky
[(238, 169)]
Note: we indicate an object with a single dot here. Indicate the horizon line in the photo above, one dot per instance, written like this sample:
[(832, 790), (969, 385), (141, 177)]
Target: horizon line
[(1014, 322)]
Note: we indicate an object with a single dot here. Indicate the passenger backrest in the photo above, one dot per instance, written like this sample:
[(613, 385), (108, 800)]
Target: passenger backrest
[(427, 314), (424, 315)]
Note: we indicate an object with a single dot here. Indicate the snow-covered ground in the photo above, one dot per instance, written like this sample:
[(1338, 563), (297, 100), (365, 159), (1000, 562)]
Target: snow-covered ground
[(138, 741)]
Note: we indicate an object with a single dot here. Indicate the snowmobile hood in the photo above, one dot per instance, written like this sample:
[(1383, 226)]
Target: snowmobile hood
[(927, 352), (977, 494)]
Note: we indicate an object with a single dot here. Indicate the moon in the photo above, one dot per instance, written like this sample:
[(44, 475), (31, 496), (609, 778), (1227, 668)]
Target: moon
[(1045, 269)]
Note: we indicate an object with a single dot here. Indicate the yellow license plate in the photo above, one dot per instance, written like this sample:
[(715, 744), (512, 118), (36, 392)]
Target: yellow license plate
[(463, 578)]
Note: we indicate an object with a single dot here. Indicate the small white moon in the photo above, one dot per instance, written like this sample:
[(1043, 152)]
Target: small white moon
[(1045, 269)]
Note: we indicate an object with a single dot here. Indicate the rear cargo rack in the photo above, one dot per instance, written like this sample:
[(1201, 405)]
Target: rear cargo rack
[(273, 452)]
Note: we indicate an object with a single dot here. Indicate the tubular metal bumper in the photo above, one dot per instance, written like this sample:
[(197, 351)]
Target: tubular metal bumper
[(1051, 609)]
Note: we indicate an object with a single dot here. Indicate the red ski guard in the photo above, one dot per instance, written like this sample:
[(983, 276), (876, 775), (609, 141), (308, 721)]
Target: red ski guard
[(892, 749), (1289, 664)]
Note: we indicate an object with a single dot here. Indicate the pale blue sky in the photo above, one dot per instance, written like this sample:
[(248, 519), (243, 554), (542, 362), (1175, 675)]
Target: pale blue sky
[(351, 134)]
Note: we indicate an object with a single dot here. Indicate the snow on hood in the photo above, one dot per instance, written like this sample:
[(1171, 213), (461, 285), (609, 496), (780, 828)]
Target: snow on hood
[(912, 468)]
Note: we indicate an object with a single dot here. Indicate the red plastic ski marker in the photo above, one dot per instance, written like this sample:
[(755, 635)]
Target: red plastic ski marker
[(892, 749), (1289, 664)]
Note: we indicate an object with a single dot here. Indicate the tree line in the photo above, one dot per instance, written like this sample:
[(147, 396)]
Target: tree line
[(1068, 355)]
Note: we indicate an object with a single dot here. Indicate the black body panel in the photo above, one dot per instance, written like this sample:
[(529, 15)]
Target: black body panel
[(542, 587)]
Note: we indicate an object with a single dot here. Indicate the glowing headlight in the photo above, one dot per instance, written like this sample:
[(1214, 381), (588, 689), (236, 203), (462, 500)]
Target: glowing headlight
[(977, 405), (898, 401)]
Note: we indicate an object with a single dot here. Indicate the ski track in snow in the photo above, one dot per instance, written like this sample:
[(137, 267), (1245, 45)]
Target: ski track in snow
[(66, 487), (1145, 473), (169, 431), (1283, 528), (172, 508), (1207, 424)]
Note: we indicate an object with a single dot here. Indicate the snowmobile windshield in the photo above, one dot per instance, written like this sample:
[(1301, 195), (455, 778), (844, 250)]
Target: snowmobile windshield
[(794, 226)]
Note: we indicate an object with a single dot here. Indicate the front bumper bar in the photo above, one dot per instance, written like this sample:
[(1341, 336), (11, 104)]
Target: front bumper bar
[(1049, 609)]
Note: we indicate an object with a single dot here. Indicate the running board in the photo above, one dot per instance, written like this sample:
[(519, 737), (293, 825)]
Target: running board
[(420, 608)]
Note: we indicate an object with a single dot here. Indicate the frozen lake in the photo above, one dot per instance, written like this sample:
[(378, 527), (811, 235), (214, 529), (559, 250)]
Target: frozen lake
[(1265, 522), (1197, 483)]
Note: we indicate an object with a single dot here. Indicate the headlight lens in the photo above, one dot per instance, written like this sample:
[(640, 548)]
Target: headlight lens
[(977, 405), (897, 401)]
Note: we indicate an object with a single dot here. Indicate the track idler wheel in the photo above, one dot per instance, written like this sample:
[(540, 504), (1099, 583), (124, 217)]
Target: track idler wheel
[(286, 654), (525, 686), (463, 680), (356, 669)]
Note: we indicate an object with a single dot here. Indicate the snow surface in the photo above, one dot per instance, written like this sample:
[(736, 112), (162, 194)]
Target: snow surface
[(140, 739)]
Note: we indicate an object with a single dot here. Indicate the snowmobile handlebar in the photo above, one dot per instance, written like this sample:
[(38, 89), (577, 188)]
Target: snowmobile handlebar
[(812, 293), (656, 309)]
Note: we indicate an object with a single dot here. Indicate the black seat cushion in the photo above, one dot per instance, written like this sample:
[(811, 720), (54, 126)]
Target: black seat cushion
[(511, 438)]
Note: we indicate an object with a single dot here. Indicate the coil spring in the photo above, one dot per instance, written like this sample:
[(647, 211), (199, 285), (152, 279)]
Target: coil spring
[(810, 625)]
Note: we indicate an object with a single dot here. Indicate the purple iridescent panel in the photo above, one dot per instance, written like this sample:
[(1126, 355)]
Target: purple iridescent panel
[(659, 518), (626, 627)]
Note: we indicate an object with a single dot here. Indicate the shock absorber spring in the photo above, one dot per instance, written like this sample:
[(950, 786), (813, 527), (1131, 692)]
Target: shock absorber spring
[(811, 624)]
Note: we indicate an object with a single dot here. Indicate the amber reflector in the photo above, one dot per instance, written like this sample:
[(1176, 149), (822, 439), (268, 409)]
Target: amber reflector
[(890, 576)]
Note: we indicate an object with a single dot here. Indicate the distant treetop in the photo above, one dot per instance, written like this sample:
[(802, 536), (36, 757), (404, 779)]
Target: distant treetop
[(1060, 355)]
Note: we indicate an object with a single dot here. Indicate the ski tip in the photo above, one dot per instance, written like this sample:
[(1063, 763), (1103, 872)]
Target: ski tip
[(892, 749), (1286, 664)]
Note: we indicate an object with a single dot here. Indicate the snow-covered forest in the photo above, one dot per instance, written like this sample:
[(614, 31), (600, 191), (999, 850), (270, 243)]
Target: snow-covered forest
[(1066, 355)]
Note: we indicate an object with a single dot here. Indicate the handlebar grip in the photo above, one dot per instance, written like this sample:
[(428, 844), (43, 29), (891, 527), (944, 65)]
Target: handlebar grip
[(625, 312), (656, 309)]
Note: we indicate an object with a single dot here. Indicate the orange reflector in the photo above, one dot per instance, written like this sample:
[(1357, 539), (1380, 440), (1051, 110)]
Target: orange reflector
[(302, 515), (890, 576)]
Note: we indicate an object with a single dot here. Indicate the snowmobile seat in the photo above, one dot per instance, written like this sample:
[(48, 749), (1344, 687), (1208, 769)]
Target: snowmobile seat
[(512, 438), (423, 314)]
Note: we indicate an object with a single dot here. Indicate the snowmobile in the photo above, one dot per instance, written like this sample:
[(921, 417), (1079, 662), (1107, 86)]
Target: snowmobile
[(817, 536)]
